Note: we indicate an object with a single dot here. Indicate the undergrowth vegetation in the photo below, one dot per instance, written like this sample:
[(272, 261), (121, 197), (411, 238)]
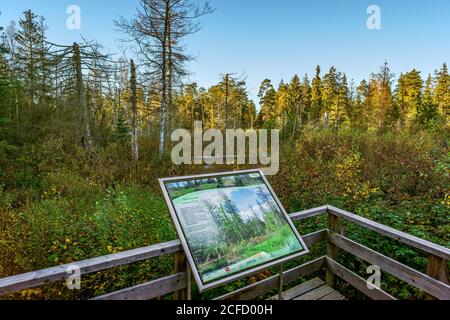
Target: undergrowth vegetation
[(57, 206)]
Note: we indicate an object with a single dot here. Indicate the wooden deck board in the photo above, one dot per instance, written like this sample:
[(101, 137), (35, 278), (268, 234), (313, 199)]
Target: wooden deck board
[(300, 289), (316, 294), (333, 296), (314, 289)]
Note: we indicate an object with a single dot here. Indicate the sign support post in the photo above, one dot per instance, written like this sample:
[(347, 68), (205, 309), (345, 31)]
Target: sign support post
[(280, 283), (189, 282)]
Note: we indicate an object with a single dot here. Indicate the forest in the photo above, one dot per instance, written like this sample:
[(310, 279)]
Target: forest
[(85, 134)]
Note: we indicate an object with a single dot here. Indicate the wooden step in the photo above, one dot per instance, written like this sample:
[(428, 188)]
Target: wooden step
[(314, 289)]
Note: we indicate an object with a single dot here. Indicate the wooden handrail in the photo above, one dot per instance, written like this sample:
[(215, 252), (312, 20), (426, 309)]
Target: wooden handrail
[(58, 273), (431, 283), (305, 214), (356, 281), (415, 278), (418, 243)]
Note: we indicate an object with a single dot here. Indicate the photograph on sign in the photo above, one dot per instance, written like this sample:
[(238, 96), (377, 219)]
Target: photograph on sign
[(230, 225)]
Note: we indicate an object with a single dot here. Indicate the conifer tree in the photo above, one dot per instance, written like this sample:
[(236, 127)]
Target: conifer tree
[(305, 98), (381, 98), (267, 95), (342, 102), (316, 96), (442, 92), (408, 97), (28, 54), (428, 109)]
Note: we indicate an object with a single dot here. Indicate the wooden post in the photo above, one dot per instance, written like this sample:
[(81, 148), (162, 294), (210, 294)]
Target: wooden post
[(334, 225), (437, 269), (180, 265), (188, 282), (280, 283)]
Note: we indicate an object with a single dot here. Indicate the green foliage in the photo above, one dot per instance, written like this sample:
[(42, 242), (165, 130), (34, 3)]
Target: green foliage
[(122, 131)]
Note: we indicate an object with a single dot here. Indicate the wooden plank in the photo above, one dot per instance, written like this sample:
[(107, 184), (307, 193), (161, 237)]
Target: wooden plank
[(305, 214), (356, 281), (415, 278), (149, 290), (437, 269), (423, 245), (40, 277), (300, 289), (334, 225), (333, 296), (315, 237), (255, 290), (180, 265), (315, 294)]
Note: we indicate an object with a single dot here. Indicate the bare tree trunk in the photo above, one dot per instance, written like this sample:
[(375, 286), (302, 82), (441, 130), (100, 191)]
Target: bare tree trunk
[(336, 122), (134, 133), (82, 97), (169, 72), (164, 79), (226, 101)]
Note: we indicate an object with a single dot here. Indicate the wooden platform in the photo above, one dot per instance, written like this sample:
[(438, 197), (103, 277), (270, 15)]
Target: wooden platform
[(314, 289)]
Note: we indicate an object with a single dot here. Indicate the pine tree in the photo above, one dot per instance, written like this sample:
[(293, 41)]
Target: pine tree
[(343, 102), (267, 95), (281, 105), (329, 94), (428, 110), (121, 131), (316, 96), (381, 100), (28, 37), (442, 92), (358, 115), (408, 97), (306, 98)]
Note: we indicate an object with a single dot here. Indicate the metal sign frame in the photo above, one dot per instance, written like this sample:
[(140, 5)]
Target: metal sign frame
[(206, 286)]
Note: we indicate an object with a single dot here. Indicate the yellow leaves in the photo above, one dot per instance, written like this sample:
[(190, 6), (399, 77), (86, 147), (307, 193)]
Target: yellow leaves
[(347, 173), (113, 250), (30, 293), (446, 201)]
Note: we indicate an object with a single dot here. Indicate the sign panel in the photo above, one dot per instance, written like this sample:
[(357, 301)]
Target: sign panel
[(230, 225)]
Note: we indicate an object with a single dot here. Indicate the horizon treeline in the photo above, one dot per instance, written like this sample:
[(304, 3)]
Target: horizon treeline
[(76, 91)]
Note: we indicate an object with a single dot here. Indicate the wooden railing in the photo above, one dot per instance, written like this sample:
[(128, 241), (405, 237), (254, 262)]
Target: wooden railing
[(435, 282)]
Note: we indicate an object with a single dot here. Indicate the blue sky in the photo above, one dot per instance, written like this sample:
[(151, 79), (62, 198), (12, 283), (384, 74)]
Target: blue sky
[(276, 39)]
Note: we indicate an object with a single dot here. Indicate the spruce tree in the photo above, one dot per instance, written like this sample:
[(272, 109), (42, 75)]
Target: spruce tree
[(428, 109), (27, 52), (408, 97), (442, 92), (121, 131), (330, 93), (306, 98), (316, 96)]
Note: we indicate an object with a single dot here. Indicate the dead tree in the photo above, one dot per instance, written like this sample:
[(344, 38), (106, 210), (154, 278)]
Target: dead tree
[(134, 133), (82, 96)]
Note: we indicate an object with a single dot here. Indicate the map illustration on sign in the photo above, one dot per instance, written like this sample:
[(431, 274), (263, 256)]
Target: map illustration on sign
[(230, 224)]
